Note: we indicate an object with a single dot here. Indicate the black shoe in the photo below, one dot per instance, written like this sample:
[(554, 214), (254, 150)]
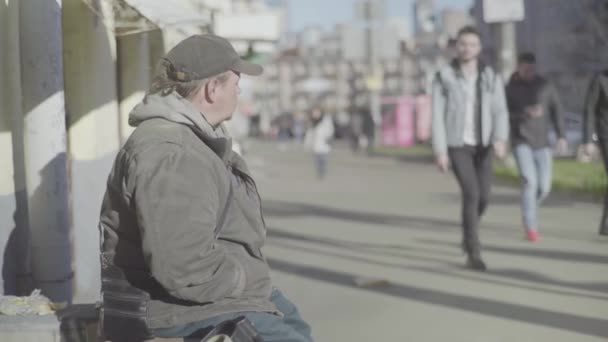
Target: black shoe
[(475, 263)]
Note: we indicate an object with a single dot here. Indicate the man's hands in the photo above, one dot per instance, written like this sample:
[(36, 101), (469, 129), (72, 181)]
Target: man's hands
[(562, 146), (535, 111), (500, 149), (443, 162)]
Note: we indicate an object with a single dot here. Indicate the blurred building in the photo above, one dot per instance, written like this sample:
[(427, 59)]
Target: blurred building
[(248, 24), (569, 38), (331, 68), (432, 43), (453, 19), (424, 17), (255, 28)]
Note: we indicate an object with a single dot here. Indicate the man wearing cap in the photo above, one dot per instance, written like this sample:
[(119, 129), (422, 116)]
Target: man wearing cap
[(181, 222)]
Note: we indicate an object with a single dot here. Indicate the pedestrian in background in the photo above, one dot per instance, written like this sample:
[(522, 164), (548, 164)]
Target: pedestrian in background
[(534, 108), (470, 123), (318, 138), (595, 120)]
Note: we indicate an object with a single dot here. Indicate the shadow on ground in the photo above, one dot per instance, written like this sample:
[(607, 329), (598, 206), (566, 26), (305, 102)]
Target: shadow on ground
[(515, 312), (293, 241)]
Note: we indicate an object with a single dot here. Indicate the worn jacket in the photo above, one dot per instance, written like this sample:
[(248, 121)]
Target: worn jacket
[(595, 115), (533, 131), (165, 195), (448, 105)]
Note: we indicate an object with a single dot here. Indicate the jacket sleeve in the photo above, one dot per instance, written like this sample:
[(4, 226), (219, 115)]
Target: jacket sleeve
[(177, 203), (557, 111), (591, 99), (499, 111), (515, 111), (439, 103), (330, 130)]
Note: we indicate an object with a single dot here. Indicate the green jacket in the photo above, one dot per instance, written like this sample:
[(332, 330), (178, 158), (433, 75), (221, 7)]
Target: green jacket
[(166, 191)]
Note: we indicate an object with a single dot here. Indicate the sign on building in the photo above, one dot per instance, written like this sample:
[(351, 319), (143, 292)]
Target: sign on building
[(264, 26), (499, 11)]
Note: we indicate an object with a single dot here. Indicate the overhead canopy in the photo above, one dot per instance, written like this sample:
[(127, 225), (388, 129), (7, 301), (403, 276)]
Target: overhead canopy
[(170, 13), (134, 16)]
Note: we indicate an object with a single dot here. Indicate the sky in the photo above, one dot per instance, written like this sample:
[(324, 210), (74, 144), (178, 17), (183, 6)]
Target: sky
[(327, 13)]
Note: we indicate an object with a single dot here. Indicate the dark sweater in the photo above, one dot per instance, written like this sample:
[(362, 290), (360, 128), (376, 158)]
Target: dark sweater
[(525, 129), (596, 109)]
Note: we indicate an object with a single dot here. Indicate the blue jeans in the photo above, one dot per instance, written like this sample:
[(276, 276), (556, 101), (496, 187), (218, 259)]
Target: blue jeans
[(535, 170), (273, 328)]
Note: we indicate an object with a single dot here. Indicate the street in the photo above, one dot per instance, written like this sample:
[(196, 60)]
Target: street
[(373, 253)]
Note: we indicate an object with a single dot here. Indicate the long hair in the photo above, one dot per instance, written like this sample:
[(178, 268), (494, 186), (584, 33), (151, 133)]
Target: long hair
[(166, 81)]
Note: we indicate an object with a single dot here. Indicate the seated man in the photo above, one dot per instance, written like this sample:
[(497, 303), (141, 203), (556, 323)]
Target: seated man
[(181, 221)]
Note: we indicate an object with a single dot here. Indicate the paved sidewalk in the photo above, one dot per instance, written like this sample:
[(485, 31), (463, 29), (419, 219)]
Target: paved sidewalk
[(380, 218)]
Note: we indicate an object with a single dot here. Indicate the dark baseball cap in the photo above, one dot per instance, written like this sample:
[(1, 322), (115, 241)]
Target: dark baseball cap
[(201, 56)]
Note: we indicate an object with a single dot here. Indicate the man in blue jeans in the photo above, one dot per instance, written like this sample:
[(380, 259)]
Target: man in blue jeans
[(287, 327), (534, 108)]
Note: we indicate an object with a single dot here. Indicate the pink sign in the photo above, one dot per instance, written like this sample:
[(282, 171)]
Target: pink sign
[(405, 122), (423, 118), (398, 122)]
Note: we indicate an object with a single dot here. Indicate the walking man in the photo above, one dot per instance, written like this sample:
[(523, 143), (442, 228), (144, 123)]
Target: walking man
[(596, 121), (470, 124), (534, 107)]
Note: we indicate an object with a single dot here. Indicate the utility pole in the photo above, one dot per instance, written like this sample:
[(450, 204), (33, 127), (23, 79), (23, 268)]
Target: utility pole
[(507, 48), (502, 15), (372, 12), (45, 147)]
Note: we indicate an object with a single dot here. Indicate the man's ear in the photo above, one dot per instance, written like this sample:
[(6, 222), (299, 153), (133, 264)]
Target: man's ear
[(210, 89)]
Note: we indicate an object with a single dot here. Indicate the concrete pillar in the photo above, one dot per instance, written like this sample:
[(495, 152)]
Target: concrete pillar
[(156, 41), (93, 127), (45, 149), (134, 66), (506, 48), (7, 184), (17, 252)]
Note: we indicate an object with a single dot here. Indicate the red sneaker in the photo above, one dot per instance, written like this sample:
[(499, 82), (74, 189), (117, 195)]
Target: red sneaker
[(532, 236)]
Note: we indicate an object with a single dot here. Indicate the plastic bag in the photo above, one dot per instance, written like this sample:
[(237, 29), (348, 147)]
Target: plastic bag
[(33, 305)]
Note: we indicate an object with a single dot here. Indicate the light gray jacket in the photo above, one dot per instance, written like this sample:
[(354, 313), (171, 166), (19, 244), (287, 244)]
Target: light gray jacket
[(449, 108)]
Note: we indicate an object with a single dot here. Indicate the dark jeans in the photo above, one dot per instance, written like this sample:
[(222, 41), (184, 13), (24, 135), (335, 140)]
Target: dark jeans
[(603, 144), (273, 328), (472, 167), (321, 164)]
